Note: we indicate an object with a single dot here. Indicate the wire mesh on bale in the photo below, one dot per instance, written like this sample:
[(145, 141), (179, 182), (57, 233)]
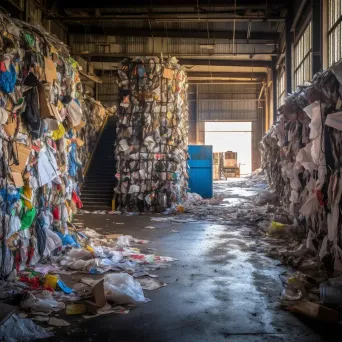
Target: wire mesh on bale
[(152, 134)]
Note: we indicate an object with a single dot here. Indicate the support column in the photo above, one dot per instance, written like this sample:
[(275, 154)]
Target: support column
[(274, 87), (96, 91), (316, 35), (288, 54), (197, 115)]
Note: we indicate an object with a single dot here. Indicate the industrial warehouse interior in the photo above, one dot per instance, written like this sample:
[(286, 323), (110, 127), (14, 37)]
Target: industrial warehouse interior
[(171, 170)]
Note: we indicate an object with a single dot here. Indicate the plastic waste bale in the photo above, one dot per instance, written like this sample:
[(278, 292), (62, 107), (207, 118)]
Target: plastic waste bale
[(152, 134), (121, 288), (48, 129)]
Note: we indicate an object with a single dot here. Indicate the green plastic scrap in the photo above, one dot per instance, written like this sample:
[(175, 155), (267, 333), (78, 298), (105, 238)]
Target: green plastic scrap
[(27, 219), (30, 40), (73, 63)]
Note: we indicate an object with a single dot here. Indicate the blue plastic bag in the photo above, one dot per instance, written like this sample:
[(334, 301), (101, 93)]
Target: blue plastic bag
[(8, 80)]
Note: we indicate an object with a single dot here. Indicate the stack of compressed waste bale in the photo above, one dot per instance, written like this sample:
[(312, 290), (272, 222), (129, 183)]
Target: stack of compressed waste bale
[(41, 120), (152, 134), (302, 155)]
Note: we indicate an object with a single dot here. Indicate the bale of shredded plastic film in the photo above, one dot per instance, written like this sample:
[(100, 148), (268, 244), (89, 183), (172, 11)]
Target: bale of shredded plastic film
[(152, 134)]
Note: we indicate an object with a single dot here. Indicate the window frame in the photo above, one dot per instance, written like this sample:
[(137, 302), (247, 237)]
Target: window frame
[(303, 57), (334, 31), (281, 89)]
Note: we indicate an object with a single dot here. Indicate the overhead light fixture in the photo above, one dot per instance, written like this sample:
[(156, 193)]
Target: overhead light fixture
[(207, 46)]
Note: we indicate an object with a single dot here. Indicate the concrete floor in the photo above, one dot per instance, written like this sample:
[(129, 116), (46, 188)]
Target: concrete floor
[(218, 290)]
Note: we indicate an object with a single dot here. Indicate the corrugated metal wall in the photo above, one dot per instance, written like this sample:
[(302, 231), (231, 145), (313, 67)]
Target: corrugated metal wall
[(192, 113), (178, 46), (207, 102), (229, 102), (108, 93)]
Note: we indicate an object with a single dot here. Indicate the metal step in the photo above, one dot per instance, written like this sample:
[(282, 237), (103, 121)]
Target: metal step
[(100, 207), (97, 195), (100, 192), (97, 191)]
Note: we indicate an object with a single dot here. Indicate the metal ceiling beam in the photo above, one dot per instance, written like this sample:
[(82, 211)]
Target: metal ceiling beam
[(223, 82), (113, 31), (195, 74), (188, 61), (241, 4), (242, 63), (169, 17), (113, 56), (298, 12)]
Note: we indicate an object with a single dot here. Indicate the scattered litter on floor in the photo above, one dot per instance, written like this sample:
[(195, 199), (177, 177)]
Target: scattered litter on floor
[(150, 227), (58, 322), (150, 284), (45, 289), (160, 219)]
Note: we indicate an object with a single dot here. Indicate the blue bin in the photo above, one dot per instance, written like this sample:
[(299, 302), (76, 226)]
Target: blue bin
[(201, 170)]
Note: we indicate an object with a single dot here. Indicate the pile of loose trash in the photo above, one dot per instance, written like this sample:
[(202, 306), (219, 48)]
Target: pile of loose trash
[(302, 160), (152, 134), (47, 131)]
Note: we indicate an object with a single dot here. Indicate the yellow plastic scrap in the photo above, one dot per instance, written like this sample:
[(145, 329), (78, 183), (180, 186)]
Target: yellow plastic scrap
[(53, 49), (59, 133), (76, 309), (276, 228), (90, 249), (50, 281), (27, 196), (60, 105), (73, 63)]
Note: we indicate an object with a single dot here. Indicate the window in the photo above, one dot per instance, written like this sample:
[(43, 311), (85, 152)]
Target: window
[(281, 87), (334, 31), (302, 58)]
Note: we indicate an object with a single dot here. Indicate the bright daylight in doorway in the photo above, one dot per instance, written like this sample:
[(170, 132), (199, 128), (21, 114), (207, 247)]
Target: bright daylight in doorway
[(232, 136)]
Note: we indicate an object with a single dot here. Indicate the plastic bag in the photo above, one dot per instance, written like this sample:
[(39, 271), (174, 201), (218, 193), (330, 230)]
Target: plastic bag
[(124, 241), (53, 241), (22, 329), (14, 226), (121, 288), (42, 302), (290, 294)]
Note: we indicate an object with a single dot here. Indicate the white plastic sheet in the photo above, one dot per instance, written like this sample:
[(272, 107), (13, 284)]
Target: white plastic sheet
[(121, 288)]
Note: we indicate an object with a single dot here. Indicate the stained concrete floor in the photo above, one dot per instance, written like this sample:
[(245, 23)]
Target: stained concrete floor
[(220, 289)]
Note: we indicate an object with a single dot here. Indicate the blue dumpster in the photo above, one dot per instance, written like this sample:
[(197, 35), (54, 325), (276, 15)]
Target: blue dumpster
[(201, 170)]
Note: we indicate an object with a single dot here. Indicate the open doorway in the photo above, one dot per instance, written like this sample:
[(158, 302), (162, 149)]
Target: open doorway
[(232, 136)]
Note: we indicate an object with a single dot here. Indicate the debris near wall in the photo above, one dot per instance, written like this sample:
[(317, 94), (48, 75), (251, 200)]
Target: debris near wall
[(152, 134), (302, 159), (47, 130)]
